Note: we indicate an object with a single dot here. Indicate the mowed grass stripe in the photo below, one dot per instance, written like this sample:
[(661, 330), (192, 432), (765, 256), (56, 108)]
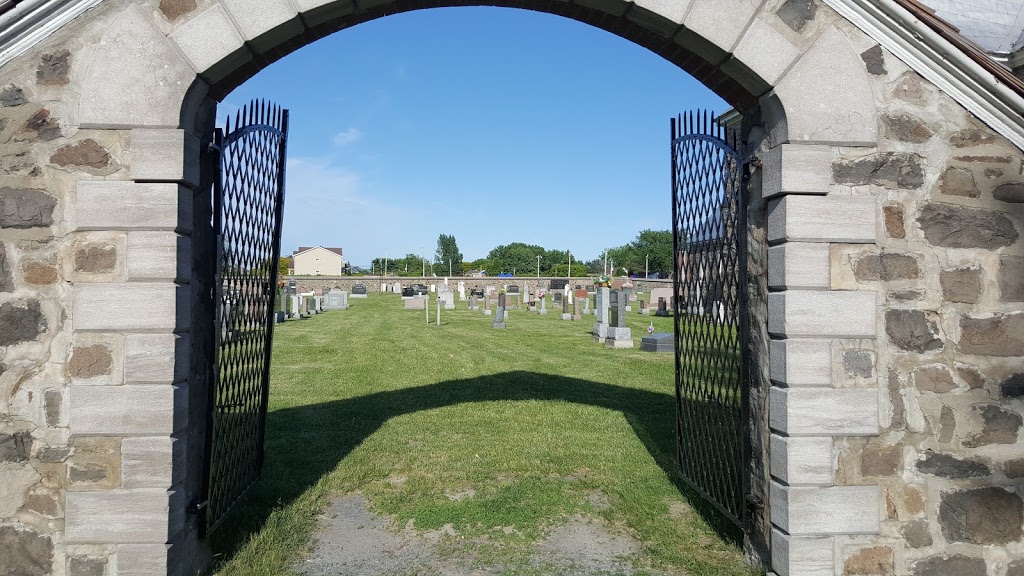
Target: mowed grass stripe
[(530, 420)]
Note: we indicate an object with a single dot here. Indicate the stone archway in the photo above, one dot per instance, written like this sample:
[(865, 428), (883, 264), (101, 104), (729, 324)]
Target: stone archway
[(101, 157)]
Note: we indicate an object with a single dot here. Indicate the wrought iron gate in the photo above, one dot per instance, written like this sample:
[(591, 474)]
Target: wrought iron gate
[(248, 202), (709, 239)]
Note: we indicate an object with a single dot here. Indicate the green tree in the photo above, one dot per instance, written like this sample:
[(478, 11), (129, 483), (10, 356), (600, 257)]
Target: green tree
[(515, 258), (447, 256), (651, 248), (559, 270)]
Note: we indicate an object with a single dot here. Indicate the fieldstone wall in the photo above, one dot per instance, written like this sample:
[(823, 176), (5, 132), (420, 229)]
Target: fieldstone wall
[(949, 269), (885, 246)]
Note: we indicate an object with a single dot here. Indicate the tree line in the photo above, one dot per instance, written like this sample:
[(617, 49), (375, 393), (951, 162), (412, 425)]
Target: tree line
[(650, 251)]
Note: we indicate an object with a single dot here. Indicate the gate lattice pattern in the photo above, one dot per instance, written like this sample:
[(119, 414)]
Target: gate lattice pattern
[(709, 233), (248, 205)]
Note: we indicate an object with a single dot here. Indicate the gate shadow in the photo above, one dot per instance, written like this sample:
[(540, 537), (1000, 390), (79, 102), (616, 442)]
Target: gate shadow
[(304, 443)]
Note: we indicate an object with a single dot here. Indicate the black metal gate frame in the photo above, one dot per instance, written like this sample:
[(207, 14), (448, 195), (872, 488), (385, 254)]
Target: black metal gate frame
[(709, 185), (248, 196)]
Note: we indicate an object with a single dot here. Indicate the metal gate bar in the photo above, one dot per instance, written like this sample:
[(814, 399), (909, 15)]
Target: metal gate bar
[(709, 305), (248, 198)]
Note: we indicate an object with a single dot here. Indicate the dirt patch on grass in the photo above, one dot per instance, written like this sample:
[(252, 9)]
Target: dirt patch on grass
[(353, 541)]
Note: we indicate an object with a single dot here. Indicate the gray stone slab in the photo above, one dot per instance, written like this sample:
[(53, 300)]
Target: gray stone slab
[(658, 342)]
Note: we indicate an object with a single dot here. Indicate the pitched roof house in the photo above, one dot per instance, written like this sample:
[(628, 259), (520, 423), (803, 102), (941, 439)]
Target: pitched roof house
[(318, 261)]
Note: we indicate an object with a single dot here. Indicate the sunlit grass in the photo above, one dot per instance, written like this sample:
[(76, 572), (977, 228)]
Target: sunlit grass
[(498, 433)]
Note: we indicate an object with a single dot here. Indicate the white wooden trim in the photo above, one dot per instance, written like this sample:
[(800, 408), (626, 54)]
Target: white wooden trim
[(33, 21)]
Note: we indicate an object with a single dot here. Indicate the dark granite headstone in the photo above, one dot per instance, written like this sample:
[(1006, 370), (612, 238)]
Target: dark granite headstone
[(359, 289), (658, 342), (557, 284), (662, 307), (513, 289), (408, 292)]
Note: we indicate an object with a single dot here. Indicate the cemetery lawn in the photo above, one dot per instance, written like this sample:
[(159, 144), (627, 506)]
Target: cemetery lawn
[(486, 438)]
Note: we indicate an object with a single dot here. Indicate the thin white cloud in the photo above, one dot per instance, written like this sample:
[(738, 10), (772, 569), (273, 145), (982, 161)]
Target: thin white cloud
[(332, 205), (348, 136)]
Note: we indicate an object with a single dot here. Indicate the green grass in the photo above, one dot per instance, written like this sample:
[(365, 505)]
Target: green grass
[(530, 420)]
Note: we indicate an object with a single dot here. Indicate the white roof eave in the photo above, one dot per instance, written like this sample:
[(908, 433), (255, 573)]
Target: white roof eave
[(940, 62), (32, 21)]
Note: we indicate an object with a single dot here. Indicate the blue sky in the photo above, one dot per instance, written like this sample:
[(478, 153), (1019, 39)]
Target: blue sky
[(495, 125)]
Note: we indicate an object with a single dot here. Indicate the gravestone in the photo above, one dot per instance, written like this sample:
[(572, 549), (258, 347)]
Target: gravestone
[(415, 303), (514, 296), (308, 305), (662, 307), (295, 306), (656, 293), (336, 299), (279, 306), (600, 330), (565, 309), (499, 314), (583, 298), (557, 284), (489, 289), (487, 305), (556, 298), (419, 289), (474, 302), (576, 307), (462, 291), (359, 291), (619, 336), (478, 292), (543, 307), (433, 288), (396, 287), (408, 292), (658, 342), (448, 297), (644, 309)]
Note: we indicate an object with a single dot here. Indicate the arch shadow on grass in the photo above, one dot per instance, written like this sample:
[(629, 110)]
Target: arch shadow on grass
[(319, 436)]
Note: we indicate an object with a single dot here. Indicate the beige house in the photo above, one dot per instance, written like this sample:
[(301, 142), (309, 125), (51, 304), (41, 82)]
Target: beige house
[(318, 261)]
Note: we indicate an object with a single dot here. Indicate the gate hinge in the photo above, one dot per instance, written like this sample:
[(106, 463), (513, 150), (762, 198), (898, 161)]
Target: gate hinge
[(198, 506), (212, 147)]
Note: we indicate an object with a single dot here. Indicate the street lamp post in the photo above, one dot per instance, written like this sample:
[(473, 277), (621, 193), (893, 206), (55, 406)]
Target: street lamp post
[(647, 263)]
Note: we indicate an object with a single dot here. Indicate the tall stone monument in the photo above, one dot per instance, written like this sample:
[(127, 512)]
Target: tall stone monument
[(601, 311), (499, 314), (619, 336)]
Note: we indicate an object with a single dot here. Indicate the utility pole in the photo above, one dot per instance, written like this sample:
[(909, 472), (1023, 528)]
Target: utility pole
[(606, 261), (569, 273), (647, 264), (449, 270), (538, 266)]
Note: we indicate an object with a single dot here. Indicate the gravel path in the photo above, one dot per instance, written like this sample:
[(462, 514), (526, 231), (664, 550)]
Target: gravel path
[(353, 541)]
